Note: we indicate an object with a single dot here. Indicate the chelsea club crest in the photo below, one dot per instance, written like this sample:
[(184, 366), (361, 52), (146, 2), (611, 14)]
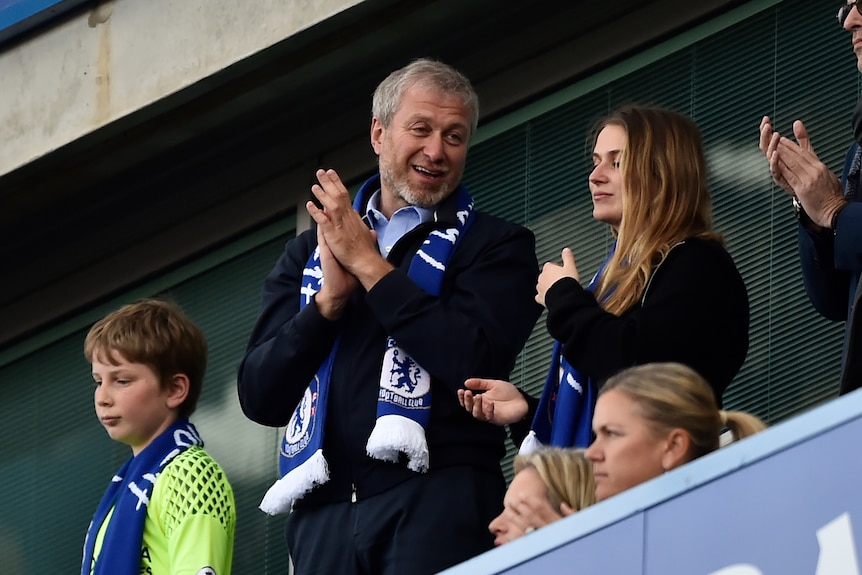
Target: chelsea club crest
[(403, 381), (297, 434)]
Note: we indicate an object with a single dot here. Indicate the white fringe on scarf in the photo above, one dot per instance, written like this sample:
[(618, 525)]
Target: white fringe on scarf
[(299, 481), (396, 434)]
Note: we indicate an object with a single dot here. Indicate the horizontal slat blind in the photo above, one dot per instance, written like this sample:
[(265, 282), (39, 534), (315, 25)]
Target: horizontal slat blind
[(726, 82)]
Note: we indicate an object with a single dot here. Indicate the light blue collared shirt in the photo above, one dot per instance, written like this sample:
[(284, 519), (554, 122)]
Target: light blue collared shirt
[(391, 230)]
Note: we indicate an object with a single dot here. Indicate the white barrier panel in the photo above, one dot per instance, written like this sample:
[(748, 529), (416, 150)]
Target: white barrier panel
[(788, 500)]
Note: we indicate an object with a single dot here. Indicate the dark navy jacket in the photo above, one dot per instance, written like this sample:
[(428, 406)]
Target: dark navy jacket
[(475, 328), (831, 269)]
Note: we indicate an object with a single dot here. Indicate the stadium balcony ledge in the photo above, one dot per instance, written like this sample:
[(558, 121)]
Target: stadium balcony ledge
[(782, 501)]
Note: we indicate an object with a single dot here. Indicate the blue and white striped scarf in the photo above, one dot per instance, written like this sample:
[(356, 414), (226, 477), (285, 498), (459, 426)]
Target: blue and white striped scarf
[(129, 495), (404, 397), (565, 414)]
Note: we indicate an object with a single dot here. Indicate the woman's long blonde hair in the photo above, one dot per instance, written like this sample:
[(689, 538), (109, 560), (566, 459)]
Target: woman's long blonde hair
[(665, 198), (567, 473)]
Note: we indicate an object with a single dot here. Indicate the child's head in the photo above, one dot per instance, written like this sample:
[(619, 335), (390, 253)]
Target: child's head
[(157, 334)]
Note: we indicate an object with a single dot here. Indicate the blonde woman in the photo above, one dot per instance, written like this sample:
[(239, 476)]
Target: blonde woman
[(668, 290), (549, 484), (653, 418)]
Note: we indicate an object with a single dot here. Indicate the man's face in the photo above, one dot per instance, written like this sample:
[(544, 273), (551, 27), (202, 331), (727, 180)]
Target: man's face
[(853, 24), (423, 150)]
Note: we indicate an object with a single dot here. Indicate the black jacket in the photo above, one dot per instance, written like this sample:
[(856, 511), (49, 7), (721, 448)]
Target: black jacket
[(832, 272), (475, 328), (694, 311)]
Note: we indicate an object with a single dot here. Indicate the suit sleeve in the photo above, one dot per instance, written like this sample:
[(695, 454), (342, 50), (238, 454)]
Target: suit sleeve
[(829, 262), (825, 285), (519, 430)]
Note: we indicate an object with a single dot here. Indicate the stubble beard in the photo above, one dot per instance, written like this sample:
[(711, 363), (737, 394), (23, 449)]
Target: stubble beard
[(422, 198)]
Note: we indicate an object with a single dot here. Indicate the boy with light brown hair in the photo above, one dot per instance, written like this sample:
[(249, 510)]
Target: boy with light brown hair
[(170, 509)]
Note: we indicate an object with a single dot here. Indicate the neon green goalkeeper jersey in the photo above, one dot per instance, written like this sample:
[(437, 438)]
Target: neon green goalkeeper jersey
[(191, 519)]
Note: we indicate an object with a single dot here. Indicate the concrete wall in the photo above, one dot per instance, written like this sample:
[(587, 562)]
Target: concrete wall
[(102, 64)]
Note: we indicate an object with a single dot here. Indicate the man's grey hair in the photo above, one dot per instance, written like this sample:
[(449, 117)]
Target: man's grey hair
[(427, 73)]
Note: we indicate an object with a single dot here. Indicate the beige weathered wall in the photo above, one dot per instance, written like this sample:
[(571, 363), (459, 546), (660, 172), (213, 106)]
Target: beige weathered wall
[(122, 56)]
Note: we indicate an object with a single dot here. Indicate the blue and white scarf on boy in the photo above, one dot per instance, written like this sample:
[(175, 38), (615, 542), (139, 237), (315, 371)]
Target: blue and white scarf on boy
[(404, 398), (565, 414), (129, 495)]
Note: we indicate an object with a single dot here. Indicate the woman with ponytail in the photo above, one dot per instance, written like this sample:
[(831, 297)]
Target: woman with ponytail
[(653, 418)]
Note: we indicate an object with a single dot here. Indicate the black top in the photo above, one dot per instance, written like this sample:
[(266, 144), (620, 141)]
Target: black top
[(694, 311)]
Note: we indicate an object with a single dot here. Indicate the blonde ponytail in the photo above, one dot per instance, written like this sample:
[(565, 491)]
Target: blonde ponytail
[(740, 424)]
